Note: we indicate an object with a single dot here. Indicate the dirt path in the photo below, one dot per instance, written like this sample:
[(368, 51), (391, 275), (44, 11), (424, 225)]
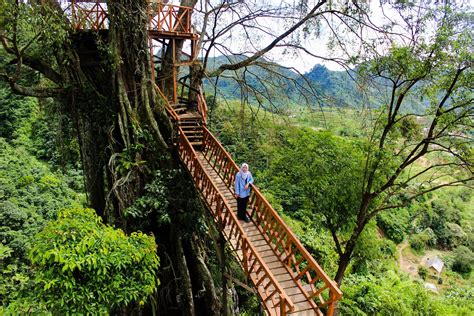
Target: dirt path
[(407, 265)]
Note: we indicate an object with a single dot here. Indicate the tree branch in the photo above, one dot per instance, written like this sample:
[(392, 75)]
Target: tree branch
[(261, 52)]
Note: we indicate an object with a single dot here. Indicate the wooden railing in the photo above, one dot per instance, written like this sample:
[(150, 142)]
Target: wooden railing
[(202, 106), (162, 17), (171, 112), (267, 286), (89, 15), (310, 277), (169, 18), (200, 99)]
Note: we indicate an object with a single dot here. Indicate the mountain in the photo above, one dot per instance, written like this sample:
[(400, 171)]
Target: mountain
[(270, 83)]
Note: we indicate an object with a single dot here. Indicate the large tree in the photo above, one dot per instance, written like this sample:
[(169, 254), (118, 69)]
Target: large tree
[(407, 151)]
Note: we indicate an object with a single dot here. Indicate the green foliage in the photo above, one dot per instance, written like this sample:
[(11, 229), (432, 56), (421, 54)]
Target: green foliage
[(15, 277), (41, 128), (372, 253), (16, 114), (463, 260), (387, 294), (422, 272), (419, 241), (394, 225), (153, 200), (445, 219), (84, 266), (319, 173), (29, 184), (456, 301), (30, 196), (391, 294)]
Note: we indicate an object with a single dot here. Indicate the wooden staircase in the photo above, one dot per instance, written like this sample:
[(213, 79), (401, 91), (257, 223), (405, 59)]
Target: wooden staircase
[(192, 127)]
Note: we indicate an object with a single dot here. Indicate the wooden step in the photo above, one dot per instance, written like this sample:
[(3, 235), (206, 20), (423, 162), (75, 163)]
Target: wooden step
[(180, 109), (195, 136), (193, 131), (190, 123)]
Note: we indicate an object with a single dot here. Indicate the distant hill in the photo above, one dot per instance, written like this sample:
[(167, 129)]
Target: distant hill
[(285, 87)]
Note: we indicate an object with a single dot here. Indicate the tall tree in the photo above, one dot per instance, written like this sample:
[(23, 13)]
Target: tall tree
[(406, 153)]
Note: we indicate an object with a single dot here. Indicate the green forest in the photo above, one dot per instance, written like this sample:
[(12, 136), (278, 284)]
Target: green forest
[(370, 166)]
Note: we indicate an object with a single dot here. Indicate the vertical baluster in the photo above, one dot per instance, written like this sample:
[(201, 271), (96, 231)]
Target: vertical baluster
[(160, 16), (282, 306), (95, 14), (188, 20), (171, 13), (244, 255)]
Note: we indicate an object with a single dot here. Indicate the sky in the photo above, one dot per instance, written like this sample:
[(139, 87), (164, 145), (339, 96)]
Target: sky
[(304, 62), (296, 59)]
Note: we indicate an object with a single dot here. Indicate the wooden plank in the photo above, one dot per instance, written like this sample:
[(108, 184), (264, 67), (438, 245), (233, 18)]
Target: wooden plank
[(292, 291), (305, 312), (271, 258), (298, 297), (303, 306), (279, 270), (283, 277), (266, 253), (262, 247), (288, 284)]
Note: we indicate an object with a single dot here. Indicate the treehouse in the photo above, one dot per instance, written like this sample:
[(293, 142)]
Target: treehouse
[(285, 276)]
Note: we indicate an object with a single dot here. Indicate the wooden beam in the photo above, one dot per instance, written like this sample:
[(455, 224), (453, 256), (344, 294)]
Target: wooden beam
[(239, 283)]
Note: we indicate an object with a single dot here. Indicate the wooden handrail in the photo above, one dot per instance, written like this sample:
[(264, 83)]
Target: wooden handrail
[(88, 15), (254, 266), (171, 112), (169, 18), (304, 268), (202, 106)]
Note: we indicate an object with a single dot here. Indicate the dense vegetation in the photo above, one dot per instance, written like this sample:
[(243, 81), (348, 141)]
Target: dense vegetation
[(55, 255), (289, 160)]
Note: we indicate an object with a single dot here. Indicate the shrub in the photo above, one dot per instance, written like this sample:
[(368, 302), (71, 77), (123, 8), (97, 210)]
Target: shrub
[(463, 260), (422, 272), (84, 266), (393, 225), (417, 243)]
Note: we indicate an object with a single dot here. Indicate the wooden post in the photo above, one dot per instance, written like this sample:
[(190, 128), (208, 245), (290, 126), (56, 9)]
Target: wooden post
[(331, 306), (282, 306), (175, 74), (245, 257)]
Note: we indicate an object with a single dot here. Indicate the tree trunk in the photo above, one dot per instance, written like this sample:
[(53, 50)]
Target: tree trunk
[(345, 258), (203, 279), (343, 263), (187, 300)]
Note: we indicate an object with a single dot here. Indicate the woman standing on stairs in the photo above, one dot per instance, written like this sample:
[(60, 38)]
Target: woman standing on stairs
[(243, 180)]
